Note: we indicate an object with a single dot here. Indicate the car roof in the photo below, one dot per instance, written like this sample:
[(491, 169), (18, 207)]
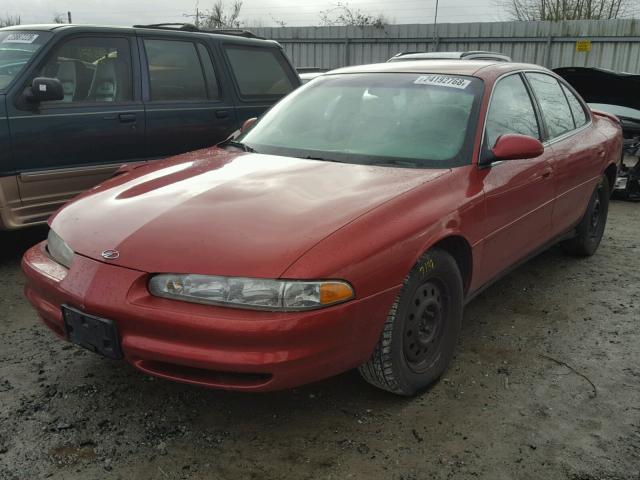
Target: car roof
[(478, 68), (68, 28)]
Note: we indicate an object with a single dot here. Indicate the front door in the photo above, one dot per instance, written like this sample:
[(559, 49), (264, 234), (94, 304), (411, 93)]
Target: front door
[(64, 147), (518, 193)]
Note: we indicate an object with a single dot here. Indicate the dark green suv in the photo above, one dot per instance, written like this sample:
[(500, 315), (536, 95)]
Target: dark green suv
[(78, 102)]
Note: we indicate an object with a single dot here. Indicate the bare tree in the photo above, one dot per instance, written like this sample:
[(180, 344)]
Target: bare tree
[(60, 18), (219, 16), (555, 10), (344, 14), (277, 21), (9, 20)]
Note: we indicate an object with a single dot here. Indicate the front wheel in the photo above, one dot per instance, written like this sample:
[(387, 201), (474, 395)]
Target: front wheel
[(422, 328), (590, 230)]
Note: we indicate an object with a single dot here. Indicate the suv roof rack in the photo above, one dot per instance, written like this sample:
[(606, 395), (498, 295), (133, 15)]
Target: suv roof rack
[(190, 27)]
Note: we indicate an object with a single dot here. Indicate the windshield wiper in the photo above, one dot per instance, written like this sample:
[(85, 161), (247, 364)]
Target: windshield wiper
[(312, 157), (234, 143), (388, 162)]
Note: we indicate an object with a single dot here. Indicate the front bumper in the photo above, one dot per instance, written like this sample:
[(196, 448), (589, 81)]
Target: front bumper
[(207, 345)]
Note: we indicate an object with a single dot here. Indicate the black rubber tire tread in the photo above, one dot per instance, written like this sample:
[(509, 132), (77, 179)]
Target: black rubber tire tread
[(379, 370), (581, 245)]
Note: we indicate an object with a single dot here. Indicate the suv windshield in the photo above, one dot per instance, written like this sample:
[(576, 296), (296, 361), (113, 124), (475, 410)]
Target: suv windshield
[(402, 119), (16, 49)]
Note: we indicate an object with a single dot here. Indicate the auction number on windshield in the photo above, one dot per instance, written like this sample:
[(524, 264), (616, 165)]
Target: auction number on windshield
[(442, 81)]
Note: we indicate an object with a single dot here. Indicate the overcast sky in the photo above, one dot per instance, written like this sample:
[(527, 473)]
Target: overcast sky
[(261, 12)]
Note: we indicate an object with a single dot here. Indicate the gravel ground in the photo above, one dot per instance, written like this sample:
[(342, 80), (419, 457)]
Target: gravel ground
[(517, 402)]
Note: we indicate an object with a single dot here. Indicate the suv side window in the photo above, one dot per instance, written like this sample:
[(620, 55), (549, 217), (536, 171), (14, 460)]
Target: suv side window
[(580, 117), (259, 72), (553, 103), (92, 69), (177, 71), (511, 111)]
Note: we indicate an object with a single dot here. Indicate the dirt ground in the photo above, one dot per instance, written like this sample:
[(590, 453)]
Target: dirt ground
[(504, 410)]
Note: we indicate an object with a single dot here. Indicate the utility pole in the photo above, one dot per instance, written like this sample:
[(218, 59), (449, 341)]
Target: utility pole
[(435, 28), (69, 16), (195, 16)]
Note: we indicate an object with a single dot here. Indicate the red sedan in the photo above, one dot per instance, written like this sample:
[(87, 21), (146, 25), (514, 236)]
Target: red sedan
[(346, 228)]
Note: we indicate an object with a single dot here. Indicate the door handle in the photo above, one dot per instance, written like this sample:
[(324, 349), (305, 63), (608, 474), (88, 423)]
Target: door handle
[(546, 173), (127, 117), (222, 113)]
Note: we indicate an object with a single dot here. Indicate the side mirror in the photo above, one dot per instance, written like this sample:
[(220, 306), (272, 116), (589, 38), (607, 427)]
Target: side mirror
[(44, 89), (513, 146), (248, 123)]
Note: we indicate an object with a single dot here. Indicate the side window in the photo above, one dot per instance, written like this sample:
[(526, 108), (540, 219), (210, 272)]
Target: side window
[(92, 69), (553, 103), (511, 111), (176, 72), (259, 71), (579, 115)]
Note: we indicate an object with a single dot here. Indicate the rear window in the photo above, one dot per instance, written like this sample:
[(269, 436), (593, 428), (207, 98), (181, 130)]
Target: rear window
[(553, 103), (579, 115), (259, 72), (176, 71)]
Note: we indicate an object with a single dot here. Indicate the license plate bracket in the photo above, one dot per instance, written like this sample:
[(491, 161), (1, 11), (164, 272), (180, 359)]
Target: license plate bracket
[(99, 335)]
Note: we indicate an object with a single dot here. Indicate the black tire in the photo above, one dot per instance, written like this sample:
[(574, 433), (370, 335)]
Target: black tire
[(421, 332), (590, 230)]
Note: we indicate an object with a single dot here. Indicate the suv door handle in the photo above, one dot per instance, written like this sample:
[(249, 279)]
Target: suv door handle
[(127, 117), (546, 173), (222, 113)]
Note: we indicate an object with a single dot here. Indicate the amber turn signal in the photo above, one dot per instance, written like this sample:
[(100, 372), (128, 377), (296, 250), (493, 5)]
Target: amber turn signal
[(334, 292)]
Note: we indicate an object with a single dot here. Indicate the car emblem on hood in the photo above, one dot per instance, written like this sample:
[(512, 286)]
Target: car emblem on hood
[(110, 254)]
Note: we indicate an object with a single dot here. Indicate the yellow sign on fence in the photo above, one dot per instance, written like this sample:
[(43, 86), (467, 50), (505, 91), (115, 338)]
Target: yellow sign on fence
[(583, 45)]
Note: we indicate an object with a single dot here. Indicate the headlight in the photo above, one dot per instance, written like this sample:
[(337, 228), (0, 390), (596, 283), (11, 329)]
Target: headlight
[(59, 250), (256, 293)]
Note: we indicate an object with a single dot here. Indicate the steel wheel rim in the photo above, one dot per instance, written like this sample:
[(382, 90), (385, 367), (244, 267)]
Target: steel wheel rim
[(424, 325)]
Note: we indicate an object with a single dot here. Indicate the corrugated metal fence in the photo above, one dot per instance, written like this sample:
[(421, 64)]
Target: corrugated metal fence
[(614, 44)]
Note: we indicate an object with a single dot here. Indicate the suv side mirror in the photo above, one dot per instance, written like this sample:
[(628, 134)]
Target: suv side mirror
[(513, 146), (44, 89), (248, 123)]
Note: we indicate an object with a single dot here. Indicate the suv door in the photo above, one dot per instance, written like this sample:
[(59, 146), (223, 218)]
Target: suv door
[(577, 147), (64, 147), (262, 75), (186, 108), (518, 193)]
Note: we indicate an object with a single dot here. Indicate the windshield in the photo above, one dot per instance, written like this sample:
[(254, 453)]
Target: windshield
[(618, 110), (403, 119), (16, 49)]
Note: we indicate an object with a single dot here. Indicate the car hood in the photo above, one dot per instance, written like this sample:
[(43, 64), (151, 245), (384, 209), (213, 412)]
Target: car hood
[(216, 212), (597, 85)]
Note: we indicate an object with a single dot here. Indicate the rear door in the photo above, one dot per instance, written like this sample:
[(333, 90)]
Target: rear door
[(261, 75), (64, 147), (186, 106), (518, 193), (577, 147)]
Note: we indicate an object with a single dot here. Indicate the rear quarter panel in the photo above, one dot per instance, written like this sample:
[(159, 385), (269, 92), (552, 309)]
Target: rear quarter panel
[(611, 130)]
